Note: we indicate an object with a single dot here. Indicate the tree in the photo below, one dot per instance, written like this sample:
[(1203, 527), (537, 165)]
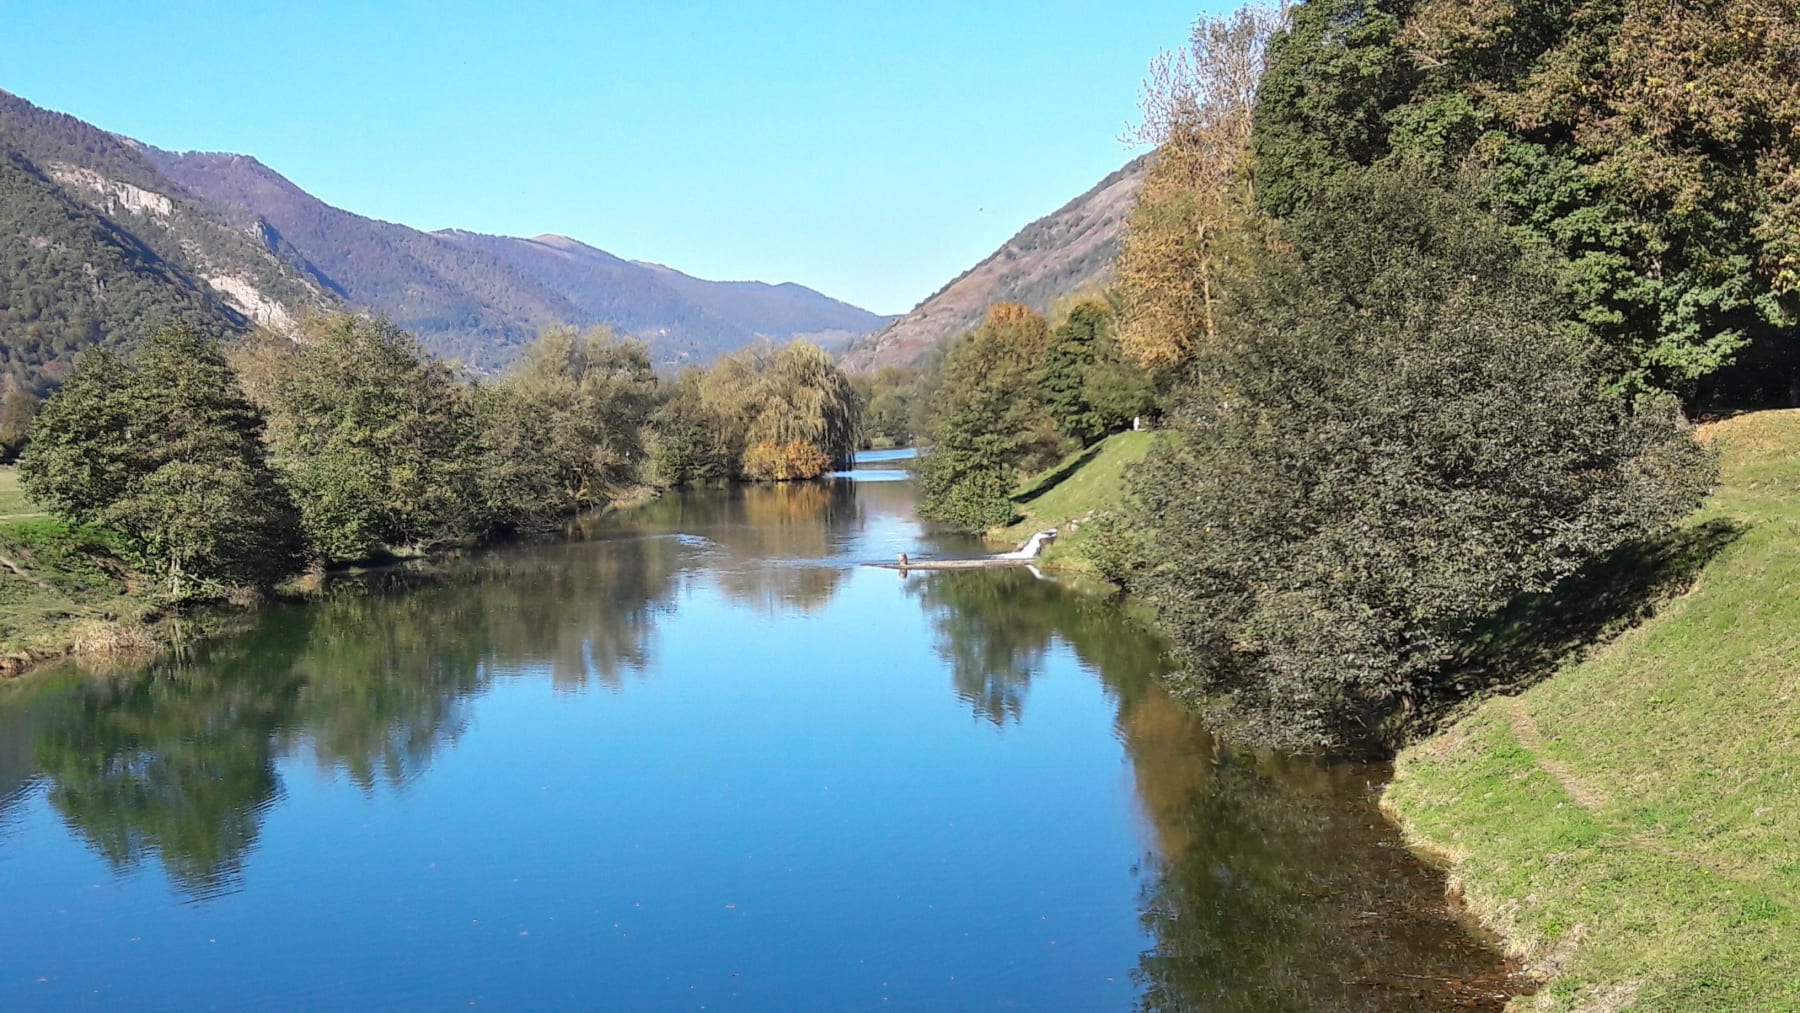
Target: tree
[(1086, 384), (1392, 438), (989, 423), (1197, 111), (691, 442), (18, 407), (1062, 375), (1643, 142), (377, 443), (806, 397), (762, 394), (564, 430), (168, 453)]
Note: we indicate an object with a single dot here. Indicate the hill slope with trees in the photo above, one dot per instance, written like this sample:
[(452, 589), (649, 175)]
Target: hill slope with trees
[(98, 247), (1063, 253)]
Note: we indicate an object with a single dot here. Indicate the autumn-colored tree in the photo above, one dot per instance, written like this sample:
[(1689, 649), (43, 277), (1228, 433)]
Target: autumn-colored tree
[(769, 461), (1197, 111), (781, 395)]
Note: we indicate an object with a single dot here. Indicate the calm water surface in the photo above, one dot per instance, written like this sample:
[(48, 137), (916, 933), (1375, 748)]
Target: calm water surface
[(697, 759)]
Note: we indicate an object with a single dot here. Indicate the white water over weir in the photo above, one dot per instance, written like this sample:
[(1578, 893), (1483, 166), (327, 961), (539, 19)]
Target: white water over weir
[(1024, 555)]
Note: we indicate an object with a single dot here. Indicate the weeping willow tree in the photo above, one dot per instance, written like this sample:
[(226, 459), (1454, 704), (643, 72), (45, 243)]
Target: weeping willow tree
[(786, 412), (807, 398)]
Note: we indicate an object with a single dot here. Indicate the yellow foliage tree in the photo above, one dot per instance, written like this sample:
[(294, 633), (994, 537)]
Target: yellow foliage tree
[(1196, 110)]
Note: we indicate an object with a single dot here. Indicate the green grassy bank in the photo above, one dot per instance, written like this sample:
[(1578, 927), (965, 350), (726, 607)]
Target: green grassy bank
[(1086, 481), (62, 589), (1631, 824)]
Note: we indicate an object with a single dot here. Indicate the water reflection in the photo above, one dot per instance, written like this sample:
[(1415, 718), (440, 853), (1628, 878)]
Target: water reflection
[(176, 763), (994, 626), (1268, 882), (1263, 883)]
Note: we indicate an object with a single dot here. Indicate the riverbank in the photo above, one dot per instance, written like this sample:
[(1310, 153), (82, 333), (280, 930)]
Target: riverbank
[(67, 591), (1069, 494), (1631, 824)]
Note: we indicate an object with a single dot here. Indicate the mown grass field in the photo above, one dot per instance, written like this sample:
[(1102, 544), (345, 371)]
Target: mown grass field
[(1081, 484), (1632, 823)]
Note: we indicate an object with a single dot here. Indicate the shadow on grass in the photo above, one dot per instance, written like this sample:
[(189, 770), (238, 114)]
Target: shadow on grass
[(1537, 634), (1058, 475)]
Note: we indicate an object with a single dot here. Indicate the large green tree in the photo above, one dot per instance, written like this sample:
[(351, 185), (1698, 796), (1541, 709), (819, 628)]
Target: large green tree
[(167, 452), (989, 421), (1086, 384), (1651, 144), (564, 430), (1390, 439), (376, 442)]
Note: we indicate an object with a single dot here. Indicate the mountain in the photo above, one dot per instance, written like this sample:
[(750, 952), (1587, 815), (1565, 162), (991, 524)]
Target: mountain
[(1064, 252), (481, 298), (104, 239), (98, 246)]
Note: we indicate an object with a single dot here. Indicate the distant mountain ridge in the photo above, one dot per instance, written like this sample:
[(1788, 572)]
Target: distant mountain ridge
[(481, 298), (1064, 252), (104, 239)]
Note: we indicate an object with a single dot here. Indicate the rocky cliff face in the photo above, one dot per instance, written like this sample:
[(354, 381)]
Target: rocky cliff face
[(101, 248), (1069, 250)]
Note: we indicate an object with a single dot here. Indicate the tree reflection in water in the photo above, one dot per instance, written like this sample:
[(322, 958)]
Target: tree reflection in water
[(1267, 882), (177, 762)]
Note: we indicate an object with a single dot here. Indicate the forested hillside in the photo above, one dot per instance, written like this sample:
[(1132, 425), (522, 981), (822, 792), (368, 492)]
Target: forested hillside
[(70, 279), (100, 247)]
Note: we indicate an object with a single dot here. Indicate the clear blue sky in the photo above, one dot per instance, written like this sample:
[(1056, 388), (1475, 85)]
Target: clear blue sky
[(869, 151)]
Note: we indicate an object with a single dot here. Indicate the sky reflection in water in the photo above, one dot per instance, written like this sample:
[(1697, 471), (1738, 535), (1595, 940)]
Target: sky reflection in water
[(697, 757)]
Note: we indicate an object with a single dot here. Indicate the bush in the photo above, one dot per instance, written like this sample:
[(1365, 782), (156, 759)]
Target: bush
[(1390, 440)]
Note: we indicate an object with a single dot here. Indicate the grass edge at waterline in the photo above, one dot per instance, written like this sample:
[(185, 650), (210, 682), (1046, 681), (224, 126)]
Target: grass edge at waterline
[(1631, 824)]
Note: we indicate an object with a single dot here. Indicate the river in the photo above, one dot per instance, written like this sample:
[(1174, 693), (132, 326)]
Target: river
[(695, 758)]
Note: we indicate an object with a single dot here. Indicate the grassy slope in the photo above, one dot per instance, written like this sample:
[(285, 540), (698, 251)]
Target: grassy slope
[(1086, 481), (1632, 824), (13, 504), (60, 589)]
